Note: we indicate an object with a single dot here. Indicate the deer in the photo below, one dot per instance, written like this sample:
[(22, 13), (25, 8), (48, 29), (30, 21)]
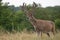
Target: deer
[(40, 26)]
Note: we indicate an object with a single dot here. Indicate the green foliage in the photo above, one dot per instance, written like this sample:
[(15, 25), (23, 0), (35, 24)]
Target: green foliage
[(57, 22), (20, 21), (16, 20)]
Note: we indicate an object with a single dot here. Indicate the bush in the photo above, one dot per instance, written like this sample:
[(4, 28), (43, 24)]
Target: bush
[(57, 22)]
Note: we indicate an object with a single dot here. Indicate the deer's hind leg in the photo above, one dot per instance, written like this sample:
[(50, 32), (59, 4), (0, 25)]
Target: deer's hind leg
[(48, 34)]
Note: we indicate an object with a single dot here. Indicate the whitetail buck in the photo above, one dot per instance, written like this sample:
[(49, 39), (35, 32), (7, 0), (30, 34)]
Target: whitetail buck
[(39, 25)]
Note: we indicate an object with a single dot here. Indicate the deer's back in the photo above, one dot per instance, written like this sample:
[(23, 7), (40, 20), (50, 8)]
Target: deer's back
[(44, 25)]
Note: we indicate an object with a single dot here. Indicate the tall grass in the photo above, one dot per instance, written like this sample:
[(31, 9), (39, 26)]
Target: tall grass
[(27, 36)]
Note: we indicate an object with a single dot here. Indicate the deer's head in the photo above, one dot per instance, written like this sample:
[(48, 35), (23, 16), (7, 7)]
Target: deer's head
[(28, 13)]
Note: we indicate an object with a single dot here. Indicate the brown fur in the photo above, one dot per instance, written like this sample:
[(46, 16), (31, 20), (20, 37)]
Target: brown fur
[(41, 25), (38, 24)]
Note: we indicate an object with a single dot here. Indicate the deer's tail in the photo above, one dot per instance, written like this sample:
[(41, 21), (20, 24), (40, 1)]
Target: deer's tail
[(53, 29)]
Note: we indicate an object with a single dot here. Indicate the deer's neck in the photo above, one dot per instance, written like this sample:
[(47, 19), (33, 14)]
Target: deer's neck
[(32, 19)]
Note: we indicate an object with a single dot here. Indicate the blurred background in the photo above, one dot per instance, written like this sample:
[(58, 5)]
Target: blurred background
[(13, 19)]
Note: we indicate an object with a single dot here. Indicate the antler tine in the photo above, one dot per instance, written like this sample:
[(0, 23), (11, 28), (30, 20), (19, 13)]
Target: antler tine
[(34, 5), (23, 4)]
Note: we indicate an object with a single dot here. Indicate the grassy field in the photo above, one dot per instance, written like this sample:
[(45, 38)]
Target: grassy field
[(27, 36)]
